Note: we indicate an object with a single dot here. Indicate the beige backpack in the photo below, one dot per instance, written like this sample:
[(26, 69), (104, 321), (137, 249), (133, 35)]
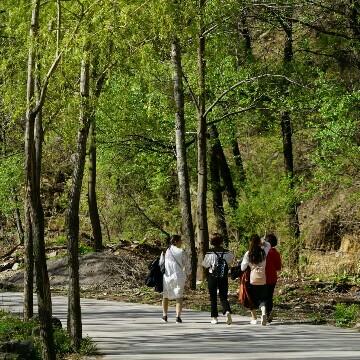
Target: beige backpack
[(257, 274)]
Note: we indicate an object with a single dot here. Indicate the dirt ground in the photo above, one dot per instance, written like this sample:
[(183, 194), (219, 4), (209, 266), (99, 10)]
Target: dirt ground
[(118, 273)]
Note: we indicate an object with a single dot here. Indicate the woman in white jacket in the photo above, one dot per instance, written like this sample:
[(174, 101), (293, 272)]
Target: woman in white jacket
[(177, 268), (255, 258)]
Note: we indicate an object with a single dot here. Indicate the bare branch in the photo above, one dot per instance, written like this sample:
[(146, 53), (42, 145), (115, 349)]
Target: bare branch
[(236, 85), (236, 112), (191, 92), (143, 213)]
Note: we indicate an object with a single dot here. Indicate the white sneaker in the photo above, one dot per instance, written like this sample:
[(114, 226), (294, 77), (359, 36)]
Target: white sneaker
[(228, 318), (263, 320), (214, 320), (253, 321)]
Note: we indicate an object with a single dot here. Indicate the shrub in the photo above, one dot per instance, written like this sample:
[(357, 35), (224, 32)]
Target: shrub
[(346, 315), (13, 327)]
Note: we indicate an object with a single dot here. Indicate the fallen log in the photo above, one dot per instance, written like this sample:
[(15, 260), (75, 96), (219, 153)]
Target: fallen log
[(4, 256)]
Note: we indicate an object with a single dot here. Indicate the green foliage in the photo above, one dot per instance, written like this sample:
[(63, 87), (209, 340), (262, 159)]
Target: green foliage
[(336, 133), (346, 315), (130, 42), (87, 347), (13, 327), (62, 342), (264, 199), (60, 240), (85, 249), (11, 175)]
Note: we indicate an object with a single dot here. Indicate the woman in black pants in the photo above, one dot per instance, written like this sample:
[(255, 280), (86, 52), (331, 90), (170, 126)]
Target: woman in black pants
[(218, 261), (255, 258)]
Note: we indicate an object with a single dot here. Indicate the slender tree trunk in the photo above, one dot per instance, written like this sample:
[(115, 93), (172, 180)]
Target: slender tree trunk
[(29, 265), (289, 169), (238, 160), (243, 49), (74, 315), (286, 129), (203, 232), (42, 280), (92, 197), (92, 200), (216, 188), (32, 173), (181, 158), (18, 221), (224, 169)]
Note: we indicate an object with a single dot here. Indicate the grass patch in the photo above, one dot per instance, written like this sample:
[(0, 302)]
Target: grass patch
[(85, 249), (346, 315)]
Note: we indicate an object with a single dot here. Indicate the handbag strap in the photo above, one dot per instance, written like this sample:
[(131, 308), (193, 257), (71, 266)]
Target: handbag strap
[(173, 256)]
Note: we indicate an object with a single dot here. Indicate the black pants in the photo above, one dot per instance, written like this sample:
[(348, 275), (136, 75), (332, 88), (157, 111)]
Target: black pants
[(270, 302), (259, 296), (222, 284)]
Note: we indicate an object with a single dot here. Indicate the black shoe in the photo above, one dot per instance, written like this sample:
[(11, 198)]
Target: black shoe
[(178, 320), (164, 318)]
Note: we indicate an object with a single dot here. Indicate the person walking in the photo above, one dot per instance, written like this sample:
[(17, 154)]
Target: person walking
[(177, 267), (273, 265), (255, 258), (218, 261)]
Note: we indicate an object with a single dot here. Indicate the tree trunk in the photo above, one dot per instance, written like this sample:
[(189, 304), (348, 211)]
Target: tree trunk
[(243, 49), (18, 222), (29, 265), (224, 169), (72, 218), (238, 161), (289, 169), (32, 173), (203, 232), (42, 281), (216, 186), (286, 129), (92, 197), (181, 159), (92, 201)]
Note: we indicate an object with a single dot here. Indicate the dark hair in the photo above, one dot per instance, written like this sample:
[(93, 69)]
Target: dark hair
[(216, 240), (256, 253), (272, 239), (174, 239)]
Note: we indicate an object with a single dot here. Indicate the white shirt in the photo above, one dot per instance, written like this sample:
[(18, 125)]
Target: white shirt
[(210, 259)]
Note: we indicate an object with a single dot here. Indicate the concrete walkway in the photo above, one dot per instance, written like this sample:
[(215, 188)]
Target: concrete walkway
[(132, 331)]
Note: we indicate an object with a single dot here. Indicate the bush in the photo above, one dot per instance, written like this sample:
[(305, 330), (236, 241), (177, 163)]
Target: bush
[(14, 328), (62, 342)]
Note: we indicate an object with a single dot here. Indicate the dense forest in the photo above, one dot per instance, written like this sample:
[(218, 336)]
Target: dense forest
[(133, 120)]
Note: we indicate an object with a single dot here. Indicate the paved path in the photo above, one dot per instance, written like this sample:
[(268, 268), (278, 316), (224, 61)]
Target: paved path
[(131, 331)]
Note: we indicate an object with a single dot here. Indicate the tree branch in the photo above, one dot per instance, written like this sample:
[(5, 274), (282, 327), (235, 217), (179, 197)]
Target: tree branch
[(240, 111), (191, 92), (151, 221), (236, 85), (41, 101)]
